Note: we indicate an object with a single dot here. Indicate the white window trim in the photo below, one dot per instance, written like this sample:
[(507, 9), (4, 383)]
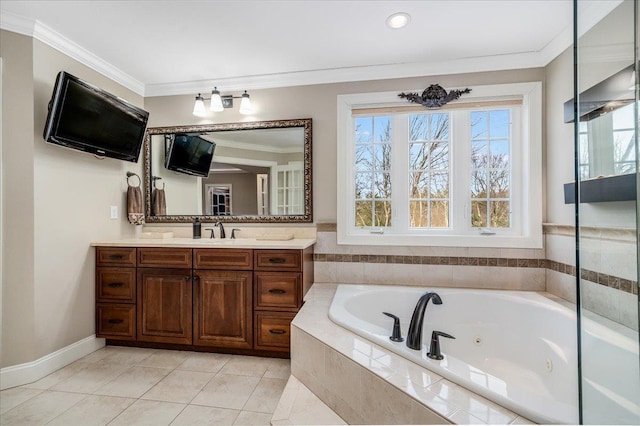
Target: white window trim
[(530, 165)]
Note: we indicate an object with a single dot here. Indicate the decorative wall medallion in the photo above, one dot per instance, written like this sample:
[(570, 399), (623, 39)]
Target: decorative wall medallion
[(434, 96)]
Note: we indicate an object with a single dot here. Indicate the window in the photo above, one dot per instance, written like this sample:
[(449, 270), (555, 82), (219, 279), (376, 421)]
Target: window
[(465, 175)]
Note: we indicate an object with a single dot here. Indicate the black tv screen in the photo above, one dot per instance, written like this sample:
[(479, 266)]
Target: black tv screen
[(190, 154), (84, 117)]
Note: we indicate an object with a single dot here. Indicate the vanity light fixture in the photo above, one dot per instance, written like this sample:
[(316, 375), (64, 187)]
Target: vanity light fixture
[(219, 103), (398, 20)]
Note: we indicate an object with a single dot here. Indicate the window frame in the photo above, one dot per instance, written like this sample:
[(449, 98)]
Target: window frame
[(528, 166)]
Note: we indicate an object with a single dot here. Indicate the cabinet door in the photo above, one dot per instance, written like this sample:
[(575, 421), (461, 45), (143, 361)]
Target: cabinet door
[(222, 309), (165, 305)]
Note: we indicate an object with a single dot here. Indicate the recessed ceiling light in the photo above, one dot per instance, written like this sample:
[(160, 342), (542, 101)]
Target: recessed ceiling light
[(398, 20)]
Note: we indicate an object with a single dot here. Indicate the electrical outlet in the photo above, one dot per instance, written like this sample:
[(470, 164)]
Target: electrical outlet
[(114, 212)]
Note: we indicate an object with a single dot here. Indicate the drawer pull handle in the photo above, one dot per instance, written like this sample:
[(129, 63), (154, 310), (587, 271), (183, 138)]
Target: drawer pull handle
[(277, 291), (275, 331), (116, 285), (116, 257), (115, 321), (277, 260)]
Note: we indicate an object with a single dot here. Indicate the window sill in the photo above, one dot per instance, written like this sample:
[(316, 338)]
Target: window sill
[(488, 241)]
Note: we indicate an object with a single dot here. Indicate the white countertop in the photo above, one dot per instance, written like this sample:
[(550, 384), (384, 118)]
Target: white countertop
[(245, 243)]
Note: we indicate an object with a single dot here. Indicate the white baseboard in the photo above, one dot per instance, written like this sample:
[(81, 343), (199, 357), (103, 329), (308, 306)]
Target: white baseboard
[(29, 372)]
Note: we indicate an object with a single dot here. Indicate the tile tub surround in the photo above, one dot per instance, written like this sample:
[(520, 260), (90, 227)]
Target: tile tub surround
[(299, 406), (366, 384), (125, 386)]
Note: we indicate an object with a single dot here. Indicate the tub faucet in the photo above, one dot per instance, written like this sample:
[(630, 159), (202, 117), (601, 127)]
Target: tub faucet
[(219, 225), (414, 335)]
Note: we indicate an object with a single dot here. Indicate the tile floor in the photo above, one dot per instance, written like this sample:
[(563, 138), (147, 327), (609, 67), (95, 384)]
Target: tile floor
[(135, 386)]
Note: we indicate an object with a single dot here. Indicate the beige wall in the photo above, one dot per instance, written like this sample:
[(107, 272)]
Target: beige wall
[(56, 202), (18, 344), (319, 103)]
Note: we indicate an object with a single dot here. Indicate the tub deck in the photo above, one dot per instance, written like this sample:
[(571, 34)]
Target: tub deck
[(365, 383)]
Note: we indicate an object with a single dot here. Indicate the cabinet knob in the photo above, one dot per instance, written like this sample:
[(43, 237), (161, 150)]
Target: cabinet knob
[(115, 285), (276, 331), (277, 291), (115, 321), (277, 260)]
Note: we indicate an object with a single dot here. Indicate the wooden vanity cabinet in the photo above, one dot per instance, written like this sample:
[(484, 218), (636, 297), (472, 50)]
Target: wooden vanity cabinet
[(165, 295), (215, 299), (222, 298), (116, 293), (277, 295)]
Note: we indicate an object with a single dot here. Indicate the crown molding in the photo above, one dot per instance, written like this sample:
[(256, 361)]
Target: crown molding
[(16, 23), (41, 32), (351, 74)]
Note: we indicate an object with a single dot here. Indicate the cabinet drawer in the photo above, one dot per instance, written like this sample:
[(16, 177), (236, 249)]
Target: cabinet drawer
[(278, 260), (278, 290), (116, 256), (231, 259), (116, 321), (116, 285), (164, 257), (273, 331)]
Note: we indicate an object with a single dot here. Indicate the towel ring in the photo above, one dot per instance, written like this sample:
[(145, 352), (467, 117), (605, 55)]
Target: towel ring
[(155, 182), (130, 174)]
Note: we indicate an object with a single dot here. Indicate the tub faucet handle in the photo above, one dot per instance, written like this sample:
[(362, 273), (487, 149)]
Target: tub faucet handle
[(434, 350), (396, 335)]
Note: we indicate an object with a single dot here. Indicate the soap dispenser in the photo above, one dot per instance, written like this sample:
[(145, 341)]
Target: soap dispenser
[(197, 229)]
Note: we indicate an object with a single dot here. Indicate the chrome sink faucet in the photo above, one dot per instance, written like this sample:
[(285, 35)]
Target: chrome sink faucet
[(219, 225), (414, 335)]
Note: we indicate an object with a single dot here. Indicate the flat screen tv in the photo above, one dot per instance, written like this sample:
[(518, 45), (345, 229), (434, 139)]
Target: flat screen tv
[(190, 154), (84, 117)]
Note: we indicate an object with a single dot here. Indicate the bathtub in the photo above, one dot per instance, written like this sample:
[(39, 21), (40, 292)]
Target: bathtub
[(517, 349)]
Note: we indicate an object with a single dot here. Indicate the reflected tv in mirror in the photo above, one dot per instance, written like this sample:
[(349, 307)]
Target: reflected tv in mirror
[(86, 118), (190, 154)]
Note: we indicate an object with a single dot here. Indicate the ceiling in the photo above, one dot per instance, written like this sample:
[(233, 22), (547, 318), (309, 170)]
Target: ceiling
[(178, 47)]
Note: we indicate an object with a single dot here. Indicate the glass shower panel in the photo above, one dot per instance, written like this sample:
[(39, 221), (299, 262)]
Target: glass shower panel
[(606, 215)]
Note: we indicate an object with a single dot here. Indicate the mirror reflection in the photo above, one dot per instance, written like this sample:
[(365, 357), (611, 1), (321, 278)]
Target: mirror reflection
[(247, 172), (607, 144)]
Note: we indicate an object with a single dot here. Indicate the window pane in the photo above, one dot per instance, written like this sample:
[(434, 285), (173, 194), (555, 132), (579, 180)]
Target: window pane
[(382, 213), (478, 184), (623, 146), (439, 155), (364, 130), (499, 124), (382, 185), (500, 184), (382, 157), (499, 153), (479, 125), (439, 214), (382, 129), (438, 127), (500, 214), (364, 183), (418, 156), (417, 127), (623, 117), (439, 187), (478, 214), (364, 213), (419, 214), (418, 185), (364, 157), (479, 153)]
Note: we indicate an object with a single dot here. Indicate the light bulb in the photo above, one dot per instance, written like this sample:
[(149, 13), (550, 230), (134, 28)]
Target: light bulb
[(216, 101), (398, 20), (245, 104), (198, 107)]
